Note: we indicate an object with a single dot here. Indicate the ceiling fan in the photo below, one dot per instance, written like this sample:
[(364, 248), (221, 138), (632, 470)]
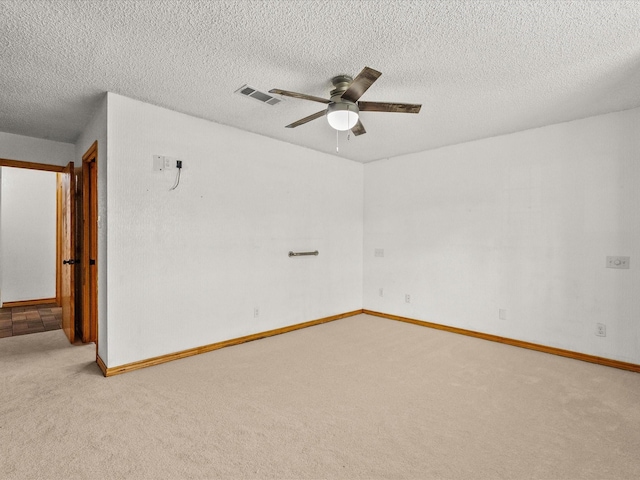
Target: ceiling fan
[(344, 107)]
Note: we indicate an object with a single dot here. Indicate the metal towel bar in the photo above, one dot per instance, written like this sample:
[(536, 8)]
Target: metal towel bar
[(302, 254)]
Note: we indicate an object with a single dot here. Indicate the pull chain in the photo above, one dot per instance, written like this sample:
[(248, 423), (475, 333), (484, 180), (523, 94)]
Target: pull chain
[(337, 143)]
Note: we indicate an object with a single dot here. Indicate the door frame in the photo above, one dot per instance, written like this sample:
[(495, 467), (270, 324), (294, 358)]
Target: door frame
[(90, 156), (89, 245)]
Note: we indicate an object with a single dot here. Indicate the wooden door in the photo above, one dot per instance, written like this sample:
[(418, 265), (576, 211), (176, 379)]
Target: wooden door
[(90, 245), (67, 242)]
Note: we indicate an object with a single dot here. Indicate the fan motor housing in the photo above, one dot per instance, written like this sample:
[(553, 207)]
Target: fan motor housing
[(340, 84)]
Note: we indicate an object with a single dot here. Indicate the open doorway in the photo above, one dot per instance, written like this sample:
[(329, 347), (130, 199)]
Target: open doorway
[(71, 273), (28, 249)]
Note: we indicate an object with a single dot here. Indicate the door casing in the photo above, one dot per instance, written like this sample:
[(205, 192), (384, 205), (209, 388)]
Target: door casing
[(89, 244)]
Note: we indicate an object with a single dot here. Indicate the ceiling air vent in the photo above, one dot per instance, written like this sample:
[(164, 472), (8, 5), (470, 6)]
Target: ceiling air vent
[(247, 91)]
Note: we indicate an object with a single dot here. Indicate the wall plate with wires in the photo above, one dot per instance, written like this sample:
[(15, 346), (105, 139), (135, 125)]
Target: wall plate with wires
[(162, 163)]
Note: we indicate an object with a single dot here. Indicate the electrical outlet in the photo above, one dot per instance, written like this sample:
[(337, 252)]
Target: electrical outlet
[(618, 262), (407, 298), (502, 314), (170, 163), (256, 312), (381, 292), (601, 330)]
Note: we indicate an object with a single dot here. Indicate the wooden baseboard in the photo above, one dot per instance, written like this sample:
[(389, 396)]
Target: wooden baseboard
[(29, 303), (110, 371), (516, 343), (129, 367), (102, 366)]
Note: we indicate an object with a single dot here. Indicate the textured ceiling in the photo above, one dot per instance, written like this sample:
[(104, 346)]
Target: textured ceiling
[(479, 68)]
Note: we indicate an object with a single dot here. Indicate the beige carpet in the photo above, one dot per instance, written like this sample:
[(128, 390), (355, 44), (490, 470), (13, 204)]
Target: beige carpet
[(361, 397)]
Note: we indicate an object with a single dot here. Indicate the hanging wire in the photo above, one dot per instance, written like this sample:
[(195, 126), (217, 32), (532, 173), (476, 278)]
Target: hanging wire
[(177, 178)]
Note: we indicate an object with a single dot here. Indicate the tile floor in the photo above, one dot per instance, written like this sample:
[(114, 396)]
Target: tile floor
[(24, 320)]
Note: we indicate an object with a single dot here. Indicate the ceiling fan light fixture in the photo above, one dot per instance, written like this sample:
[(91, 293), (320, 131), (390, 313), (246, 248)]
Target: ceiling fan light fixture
[(343, 115)]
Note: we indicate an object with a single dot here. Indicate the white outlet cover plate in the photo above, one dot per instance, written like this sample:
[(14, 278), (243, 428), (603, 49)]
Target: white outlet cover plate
[(618, 262), (158, 163), (169, 163)]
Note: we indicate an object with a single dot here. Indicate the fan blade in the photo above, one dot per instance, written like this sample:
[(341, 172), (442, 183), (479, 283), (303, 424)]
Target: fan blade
[(358, 129), (306, 119), (301, 96), (388, 107), (361, 84)]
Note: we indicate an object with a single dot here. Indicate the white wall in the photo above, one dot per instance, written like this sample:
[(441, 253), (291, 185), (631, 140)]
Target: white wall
[(96, 130), (37, 150), (521, 222), (28, 234), (187, 267)]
